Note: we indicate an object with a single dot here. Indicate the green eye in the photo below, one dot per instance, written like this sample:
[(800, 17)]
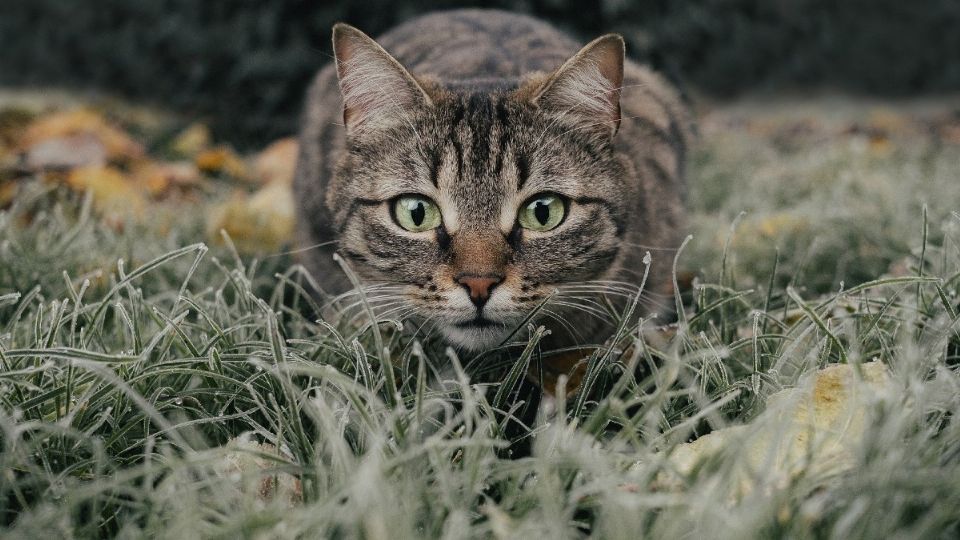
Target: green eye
[(542, 212), (416, 214)]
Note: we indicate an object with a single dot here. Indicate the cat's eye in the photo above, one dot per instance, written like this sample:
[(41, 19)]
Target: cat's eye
[(416, 213), (542, 212)]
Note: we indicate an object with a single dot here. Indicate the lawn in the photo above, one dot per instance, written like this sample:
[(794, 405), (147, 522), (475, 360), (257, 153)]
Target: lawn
[(166, 372)]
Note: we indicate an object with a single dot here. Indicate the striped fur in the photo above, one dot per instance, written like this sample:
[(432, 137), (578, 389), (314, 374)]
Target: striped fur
[(498, 121)]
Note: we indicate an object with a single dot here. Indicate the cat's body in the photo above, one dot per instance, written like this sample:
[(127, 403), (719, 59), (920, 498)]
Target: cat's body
[(487, 126)]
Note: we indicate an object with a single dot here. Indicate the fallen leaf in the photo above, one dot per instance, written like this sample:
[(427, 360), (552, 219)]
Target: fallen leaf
[(244, 474), (222, 160), (191, 141), (880, 145), (13, 122), (277, 162), (162, 178), (65, 152), (889, 122), (114, 195), (256, 224), (251, 473), (117, 145), (8, 190), (950, 133), (812, 429)]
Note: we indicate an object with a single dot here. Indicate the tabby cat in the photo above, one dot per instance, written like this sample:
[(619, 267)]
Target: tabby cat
[(483, 165)]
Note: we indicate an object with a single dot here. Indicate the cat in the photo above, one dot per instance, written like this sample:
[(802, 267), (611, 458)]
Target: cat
[(484, 164)]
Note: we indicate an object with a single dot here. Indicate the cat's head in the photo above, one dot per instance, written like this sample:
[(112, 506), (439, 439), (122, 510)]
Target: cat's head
[(473, 205)]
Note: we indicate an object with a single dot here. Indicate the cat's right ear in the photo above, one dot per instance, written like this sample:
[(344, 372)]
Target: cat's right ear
[(586, 89), (376, 90)]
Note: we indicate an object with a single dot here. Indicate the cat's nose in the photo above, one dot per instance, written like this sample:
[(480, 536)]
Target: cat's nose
[(479, 287)]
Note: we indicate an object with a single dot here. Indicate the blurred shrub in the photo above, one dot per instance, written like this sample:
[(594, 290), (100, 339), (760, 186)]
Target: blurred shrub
[(244, 64)]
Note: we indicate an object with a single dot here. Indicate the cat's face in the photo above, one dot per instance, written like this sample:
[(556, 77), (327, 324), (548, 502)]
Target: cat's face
[(474, 207)]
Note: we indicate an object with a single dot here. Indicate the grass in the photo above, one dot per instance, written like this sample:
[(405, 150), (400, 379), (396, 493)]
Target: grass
[(121, 382)]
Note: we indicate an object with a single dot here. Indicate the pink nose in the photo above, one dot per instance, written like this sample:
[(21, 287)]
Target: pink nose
[(479, 287)]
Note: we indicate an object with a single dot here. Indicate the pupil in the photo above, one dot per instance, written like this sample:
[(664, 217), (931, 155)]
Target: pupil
[(418, 213), (542, 212)]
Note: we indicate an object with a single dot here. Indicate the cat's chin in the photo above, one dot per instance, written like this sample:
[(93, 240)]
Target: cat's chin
[(476, 338)]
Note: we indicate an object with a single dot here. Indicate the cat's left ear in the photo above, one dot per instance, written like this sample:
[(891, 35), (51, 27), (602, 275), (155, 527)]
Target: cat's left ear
[(586, 88), (376, 90)]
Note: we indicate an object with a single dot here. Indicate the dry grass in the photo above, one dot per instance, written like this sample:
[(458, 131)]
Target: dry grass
[(121, 382)]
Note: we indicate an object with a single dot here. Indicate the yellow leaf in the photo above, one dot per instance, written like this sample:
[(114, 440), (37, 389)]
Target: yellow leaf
[(813, 429), (193, 140), (256, 224), (277, 162), (85, 123), (8, 190), (161, 178), (114, 195), (222, 160)]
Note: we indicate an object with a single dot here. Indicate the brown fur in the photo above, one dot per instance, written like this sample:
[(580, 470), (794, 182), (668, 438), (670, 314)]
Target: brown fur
[(479, 108)]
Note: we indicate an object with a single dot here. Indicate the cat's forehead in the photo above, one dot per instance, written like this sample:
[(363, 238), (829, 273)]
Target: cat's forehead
[(477, 153), (482, 160)]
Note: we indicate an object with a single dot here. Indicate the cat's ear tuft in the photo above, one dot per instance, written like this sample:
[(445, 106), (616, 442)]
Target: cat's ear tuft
[(586, 88), (376, 90)]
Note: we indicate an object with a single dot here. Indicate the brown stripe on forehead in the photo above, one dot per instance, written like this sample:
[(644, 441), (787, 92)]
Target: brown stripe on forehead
[(453, 138), (503, 120), (436, 157), (477, 144), (481, 118), (523, 170)]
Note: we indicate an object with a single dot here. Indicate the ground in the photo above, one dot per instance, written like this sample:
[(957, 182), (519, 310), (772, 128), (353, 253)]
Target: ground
[(164, 371)]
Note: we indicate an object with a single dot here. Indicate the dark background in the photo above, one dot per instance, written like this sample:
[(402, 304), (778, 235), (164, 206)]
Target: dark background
[(243, 64)]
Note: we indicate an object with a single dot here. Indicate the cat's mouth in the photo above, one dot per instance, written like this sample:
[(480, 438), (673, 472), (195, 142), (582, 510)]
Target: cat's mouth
[(478, 322), (477, 333)]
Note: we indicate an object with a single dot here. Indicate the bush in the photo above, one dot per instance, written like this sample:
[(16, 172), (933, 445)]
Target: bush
[(244, 64)]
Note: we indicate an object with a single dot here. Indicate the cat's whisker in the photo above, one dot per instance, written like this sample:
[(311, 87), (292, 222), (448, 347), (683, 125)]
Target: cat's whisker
[(580, 305), (588, 304), (571, 331), (399, 312), (372, 302), (644, 298), (302, 249), (364, 292), (648, 247), (376, 310), (600, 288), (415, 332), (592, 299), (434, 326), (394, 314), (608, 284), (355, 292), (358, 310), (598, 291)]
